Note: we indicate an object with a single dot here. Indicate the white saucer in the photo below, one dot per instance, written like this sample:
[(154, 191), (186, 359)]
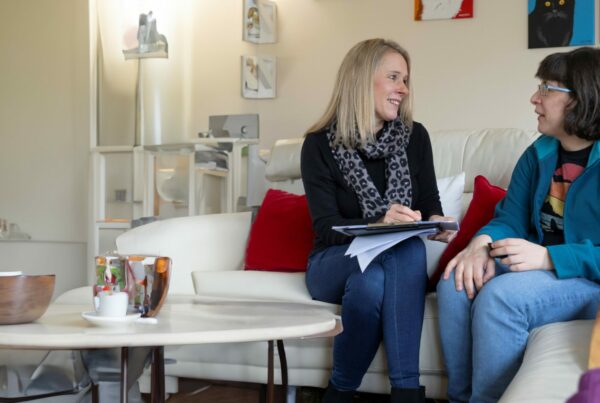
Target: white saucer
[(109, 320)]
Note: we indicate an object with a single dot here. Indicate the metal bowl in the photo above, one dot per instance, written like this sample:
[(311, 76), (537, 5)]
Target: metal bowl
[(24, 298)]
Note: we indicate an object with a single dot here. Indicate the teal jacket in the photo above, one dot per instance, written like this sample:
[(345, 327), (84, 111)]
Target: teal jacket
[(518, 214)]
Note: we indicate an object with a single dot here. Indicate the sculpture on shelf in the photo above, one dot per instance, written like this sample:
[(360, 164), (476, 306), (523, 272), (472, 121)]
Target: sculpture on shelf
[(12, 231), (150, 42)]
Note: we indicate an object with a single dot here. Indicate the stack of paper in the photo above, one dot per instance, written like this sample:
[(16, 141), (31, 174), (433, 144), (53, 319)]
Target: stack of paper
[(371, 240), (367, 248)]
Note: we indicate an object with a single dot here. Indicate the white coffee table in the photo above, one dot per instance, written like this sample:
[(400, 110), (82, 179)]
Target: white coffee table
[(182, 320)]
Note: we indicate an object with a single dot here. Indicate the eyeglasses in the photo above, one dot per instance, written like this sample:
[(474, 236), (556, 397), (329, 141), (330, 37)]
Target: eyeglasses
[(544, 88)]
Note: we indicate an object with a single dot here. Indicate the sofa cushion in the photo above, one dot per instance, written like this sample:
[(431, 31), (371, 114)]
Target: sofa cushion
[(253, 285), (281, 237), (451, 189), (479, 213)]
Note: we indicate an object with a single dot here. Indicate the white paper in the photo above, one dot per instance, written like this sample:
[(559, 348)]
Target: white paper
[(367, 248)]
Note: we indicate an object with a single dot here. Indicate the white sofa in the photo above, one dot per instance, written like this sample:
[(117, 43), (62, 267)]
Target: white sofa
[(208, 253)]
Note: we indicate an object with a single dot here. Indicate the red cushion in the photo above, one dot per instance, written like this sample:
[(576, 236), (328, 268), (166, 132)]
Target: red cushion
[(479, 213), (281, 236)]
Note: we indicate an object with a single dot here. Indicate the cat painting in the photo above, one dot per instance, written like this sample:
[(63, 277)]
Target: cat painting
[(551, 23)]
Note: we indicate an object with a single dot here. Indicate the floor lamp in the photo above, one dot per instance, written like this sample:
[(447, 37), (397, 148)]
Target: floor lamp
[(151, 45)]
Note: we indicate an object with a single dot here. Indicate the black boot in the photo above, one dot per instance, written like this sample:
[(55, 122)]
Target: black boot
[(332, 395), (408, 395)]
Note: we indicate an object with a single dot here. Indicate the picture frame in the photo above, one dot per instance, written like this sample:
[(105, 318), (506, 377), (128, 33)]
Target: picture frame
[(443, 9), (259, 76), (559, 24), (260, 21)]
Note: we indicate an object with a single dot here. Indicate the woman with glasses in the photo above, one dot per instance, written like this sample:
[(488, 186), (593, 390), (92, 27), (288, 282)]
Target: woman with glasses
[(366, 161), (538, 260)]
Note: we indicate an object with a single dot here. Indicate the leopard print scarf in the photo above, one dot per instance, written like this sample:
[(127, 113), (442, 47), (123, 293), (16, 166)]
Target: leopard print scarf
[(391, 144)]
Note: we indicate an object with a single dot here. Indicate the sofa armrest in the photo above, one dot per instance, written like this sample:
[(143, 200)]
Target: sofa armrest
[(206, 242), (555, 357), (76, 296)]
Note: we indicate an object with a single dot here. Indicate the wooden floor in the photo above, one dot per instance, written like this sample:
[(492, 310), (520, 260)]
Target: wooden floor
[(197, 391)]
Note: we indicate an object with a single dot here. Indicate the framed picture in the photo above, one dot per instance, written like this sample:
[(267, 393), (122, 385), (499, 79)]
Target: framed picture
[(259, 75), (560, 23), (260, 21), (443, 9)]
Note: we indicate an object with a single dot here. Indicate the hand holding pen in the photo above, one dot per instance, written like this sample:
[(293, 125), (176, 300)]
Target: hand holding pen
[(398, 213)]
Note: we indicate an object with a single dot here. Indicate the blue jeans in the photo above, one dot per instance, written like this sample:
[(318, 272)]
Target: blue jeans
[(385, 302), (484, 339)]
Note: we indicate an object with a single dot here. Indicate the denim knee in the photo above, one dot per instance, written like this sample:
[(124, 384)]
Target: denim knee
[(410, 252), (497, 302), (364, 291), (446, 289), (413, 245)]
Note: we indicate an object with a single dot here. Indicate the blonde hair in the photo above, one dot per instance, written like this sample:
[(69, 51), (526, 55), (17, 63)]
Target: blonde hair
[(352, 103)]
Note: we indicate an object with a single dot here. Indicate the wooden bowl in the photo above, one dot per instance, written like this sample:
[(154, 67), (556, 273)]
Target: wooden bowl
[(24, 298)]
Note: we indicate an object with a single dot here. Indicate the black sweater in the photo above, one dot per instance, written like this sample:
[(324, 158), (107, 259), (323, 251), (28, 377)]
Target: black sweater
[(332, 202)]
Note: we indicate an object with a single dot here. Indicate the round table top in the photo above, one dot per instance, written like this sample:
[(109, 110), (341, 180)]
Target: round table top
[(186, 321)]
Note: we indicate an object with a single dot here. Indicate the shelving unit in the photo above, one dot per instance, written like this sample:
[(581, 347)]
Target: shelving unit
[(113, 199), (165, 181), (207, 189)]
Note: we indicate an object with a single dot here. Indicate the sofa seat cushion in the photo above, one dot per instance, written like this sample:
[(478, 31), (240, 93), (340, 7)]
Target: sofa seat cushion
[(253, 285), (556, 356)]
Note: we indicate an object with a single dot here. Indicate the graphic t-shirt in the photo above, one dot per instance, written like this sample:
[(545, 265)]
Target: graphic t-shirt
[(570, 165)]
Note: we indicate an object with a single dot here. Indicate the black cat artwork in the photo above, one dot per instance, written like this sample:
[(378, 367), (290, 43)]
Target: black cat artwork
[(551, 23)]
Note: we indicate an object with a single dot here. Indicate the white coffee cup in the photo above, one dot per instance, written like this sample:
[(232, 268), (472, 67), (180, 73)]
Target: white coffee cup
[(113, 304)]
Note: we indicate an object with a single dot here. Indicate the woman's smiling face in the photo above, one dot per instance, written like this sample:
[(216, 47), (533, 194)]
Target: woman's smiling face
[(390, 87)]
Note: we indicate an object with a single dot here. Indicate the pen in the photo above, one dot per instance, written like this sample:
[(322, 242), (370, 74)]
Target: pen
[(495, 257)]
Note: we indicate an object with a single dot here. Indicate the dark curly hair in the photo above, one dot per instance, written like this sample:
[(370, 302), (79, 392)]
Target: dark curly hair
[(578, 70)]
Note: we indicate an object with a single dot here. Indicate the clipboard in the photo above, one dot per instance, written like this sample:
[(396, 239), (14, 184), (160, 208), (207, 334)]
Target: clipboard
[(376, 229)]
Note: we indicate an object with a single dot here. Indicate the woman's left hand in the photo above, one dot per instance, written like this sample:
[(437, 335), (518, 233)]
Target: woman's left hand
[(521, 255), (442, 236)]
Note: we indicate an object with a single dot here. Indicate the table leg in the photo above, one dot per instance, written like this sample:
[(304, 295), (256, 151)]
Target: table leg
[(158, 375), (270, 377), (283, 365), (95, 393), (124, 363), (271, 370)]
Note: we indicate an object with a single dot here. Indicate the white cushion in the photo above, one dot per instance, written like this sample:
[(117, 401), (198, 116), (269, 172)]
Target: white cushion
[(252, 284), (451, 191)]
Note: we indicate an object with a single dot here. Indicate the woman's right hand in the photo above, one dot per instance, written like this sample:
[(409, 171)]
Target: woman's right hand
[(398, 213), (473, 266)]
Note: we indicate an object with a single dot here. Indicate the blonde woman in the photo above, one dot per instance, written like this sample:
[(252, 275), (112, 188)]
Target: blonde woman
[(366, 161)]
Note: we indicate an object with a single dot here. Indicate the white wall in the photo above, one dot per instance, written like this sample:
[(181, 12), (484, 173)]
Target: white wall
[(470, 73), (64, 259), (44, 117), (44, 136)]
